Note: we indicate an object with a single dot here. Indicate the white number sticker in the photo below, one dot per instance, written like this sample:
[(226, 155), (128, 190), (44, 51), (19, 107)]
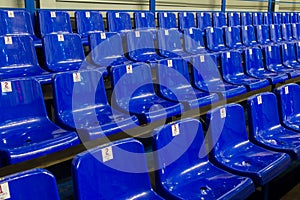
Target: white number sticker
[(87, 14), (76, 77), (175, 130), (166, 32), (8, 40), (6, 86), (223, 112), (103, 35), (143, 15), (60, 38), (170, 63), (286, 90), (250, 51), (259, 100), (4, 191), (52, 14), (107, 154), (202, 58), (137, 34), (11, 14), (117, 15), (129, 69), (228, 54)]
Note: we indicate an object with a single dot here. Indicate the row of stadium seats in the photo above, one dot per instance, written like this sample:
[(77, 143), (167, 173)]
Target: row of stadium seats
[(236, 162)]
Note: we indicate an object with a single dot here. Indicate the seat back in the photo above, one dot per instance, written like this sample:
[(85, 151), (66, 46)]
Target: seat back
[(105, 46), (144, 20), (63, 52), (276, 18), (77, 91), (253, 60), (293, 17), (263, 34), (169, 42), (108, 171), (297, 46), (193, 41), (21, 99), (118, 21), (219, 19), (296, 31), (204, 20), (285, 18), (233, 37), (178, 148), (137, 80), (186, 20), (267, 18), (275, 33), (272, 55), (249, 36), (166, 20), (257, 18), (288, 53), (246, 18), (215, 38), (233, 19), (54, 22), (140, 43), (287, 32), (232, 65), (24, 185), (88, 21)]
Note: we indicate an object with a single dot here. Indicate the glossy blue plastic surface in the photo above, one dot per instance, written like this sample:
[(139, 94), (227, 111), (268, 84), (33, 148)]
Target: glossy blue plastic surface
[(140, 46), (88, 21), (83, 105), (193, 41), (63, 55), (296, 31), (118, 22), (219, 19), (249, 36), (106, 49), (125, 176), (19, 59), (166, 20), (169, 44), (257, 18), (287, 34), (232, 150), (204, 20), (289, 57), (174, 85), (184, 169), (246, 18), (18, 23), (267, 18), (263, 34), (26, 131), (275, 33), (233, 72), (206, 76), (265, 128), (144, 20), (289, 106), (186, 20), (57, 22), (293, 17), (297, 45), (285, 18), (34, 184), (276, 18), (273, 61), (233, 19), (139, 97), (215, 39), (233, 37), (255, 67)]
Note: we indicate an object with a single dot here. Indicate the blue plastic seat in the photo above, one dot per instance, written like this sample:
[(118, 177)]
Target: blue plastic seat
[(257, 18), (267, 18), (27, 132), (18, 59), (277, 18), (167, 20), (140, 47), (287, 34), (134, 94), (206, 77), (169, 44), (54, 22), (273, 61), (184, 171), (81, 104), (293, 17), (88, 22), (215, 39), (285, 18), (117, 170), (249, 36), (275, 33), (219, 19), (233, 37), (193, 41), (232, 150), (246, 18), (119, 22), (204, 20), (296, 31), (297, 45), (263, 34), (34, 184), (266, 129), (174, 85), (289, 57), (63, 52), (255, 67), (186, 20), (233, 19), (233, 72), (288, 96), (17, 22), (144, 20), (106, 49)]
